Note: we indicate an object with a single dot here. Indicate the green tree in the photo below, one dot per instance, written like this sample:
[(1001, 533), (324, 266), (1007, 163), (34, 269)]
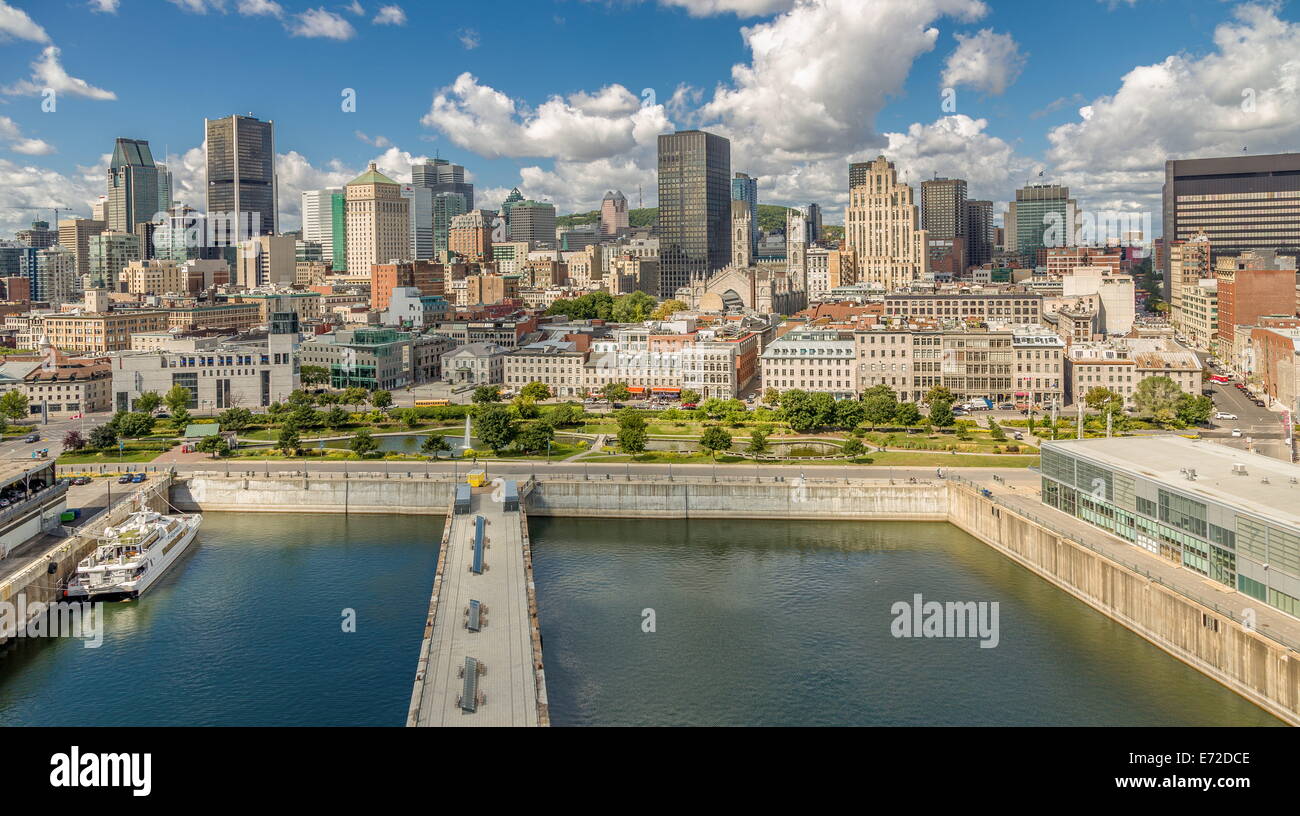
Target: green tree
[(757, 442), (486, 394), (496, 427), (907, 414), (337, 417), (180, 420), (288, 440), (939, 394), (305, 416), (148, 402), (381, 399), (666, 309), (133, 424), (772, 397), (235, 419), (314, 375), (177, 398), (103, 437), (715, 438), (631, 431), (880, 408), (536, 437), (1155, 395), (995, 431), (526, 407), (1103, 400), (689, 396), (849, 414), (798, 410), (1193, 410), (823, 405), (363, 443), (214, 445), (632, 308), (615, 391), (14, 404), (434, 444), (941, 414), (563, 414), (536, 391), (410, 418), (853, 447)]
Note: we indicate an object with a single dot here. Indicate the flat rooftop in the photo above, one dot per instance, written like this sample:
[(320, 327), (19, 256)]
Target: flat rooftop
[(1164, 458), (14, 469)]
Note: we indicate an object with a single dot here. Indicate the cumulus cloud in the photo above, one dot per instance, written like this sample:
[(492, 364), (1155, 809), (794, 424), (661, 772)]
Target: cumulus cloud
[(378, 141), (201, 6), (11, 135), (48, 72), (985, 61), (261, 8), (740, 8), (104, 6), (16, 25), (1242, 94), (390, 15), (24, 186), (318, 22)]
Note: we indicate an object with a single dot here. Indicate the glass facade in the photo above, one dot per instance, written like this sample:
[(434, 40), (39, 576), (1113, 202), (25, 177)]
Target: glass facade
[(1207, 537), (694, 207), (241, 170)]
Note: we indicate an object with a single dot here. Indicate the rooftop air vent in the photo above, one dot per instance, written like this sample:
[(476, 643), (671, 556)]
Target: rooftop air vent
[(1238, 469)]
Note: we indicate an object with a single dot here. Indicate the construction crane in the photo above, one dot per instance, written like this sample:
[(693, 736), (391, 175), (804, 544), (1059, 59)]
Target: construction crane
[(56, 211)]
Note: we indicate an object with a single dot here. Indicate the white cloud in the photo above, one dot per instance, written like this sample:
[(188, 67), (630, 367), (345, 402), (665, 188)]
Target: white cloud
[(378, 141), (13, 137), (985, 61), (261, 8), (1242, 94), (355, 8), (47, 72), (468, 38), (201, 6), (740, 8), (15, 24), (104, 6), (390, 15), (24, 186), (318, 22)]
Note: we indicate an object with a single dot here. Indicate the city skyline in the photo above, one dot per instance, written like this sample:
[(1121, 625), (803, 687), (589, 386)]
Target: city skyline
[(794, 120)]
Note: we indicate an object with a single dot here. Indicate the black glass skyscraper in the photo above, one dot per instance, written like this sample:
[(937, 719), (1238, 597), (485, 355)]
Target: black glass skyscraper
[(694, 207), (241, 171)]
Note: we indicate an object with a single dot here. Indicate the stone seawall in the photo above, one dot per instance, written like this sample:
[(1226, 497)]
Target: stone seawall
[(1256, 667)]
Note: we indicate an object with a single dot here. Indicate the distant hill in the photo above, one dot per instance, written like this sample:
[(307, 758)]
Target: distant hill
[(771, 218)]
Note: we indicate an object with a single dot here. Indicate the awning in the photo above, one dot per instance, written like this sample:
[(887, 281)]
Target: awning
[(666, 389), (635, 389), (1021, 394)]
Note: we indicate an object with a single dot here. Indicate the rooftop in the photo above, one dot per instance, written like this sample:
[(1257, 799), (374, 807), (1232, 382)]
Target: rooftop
[(1168, 459)]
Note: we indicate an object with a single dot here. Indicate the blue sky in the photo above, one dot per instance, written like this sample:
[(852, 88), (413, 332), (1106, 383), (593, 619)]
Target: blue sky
[(820, 82)]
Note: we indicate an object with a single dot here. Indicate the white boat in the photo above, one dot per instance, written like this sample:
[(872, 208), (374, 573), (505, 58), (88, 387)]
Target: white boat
[(133, 555)]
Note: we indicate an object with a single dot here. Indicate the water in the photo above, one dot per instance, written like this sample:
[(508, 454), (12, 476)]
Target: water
[(757, 623), (788, 623)]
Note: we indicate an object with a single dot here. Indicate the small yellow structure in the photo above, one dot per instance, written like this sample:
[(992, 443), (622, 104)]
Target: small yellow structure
[(476, 478)]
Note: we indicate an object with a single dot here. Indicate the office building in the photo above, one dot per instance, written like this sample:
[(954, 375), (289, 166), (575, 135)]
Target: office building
[(241, 181), (424, 276), (446, 206), (132, 186), (694, 207), (744, 188), (420, 208), (442, 176), (470, 236), (882, 227), (108, 254), (318, 218), (378, 221), (532, 221), (980, 235), (1189, 264), (1252, 285), (613, 214), (98, 332), (1043, 215), (1217, 511), (74, 236), (38, 235), (56, 280)]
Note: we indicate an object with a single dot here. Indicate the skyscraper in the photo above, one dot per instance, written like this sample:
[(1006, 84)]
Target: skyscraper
[(165, 197), (75, 234), (613, 213), (1239, 202), (378, 221), (744, 188), (446, 206), (1044, 216), (980, 236), (694, 207), (317, 216), (132, 185), (442, 176), (241, 173), (533, 221), (420, 204), (882, 228), (943, 217)]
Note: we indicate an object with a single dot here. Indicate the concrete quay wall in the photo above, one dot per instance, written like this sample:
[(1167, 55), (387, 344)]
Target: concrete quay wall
[(1258, 668)]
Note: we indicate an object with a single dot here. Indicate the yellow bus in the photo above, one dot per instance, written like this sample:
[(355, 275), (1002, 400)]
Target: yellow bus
[(431, 403)]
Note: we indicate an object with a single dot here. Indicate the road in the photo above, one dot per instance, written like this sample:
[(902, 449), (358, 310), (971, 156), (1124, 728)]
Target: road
[(51, 434)]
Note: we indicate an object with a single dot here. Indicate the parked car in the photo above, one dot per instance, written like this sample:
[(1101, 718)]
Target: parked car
[(138, 478), (125, 478), (1261, 403), (80, 480), (32, 437), (689, 405), (1007, 406), (1224, 415), (1019, 435), (1236, 431)]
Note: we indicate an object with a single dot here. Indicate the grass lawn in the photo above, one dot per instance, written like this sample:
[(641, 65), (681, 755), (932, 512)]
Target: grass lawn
[(888, 459), (110, 457), (269, 434)]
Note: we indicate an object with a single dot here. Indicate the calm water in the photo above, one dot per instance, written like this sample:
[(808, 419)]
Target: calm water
[(757, 622)]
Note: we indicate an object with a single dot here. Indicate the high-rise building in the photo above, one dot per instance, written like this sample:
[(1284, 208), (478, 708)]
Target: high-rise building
[(318, 216), (510, 201), (943, 217), (56, 280), (99, 210), (1252, 285), (165, 196), (812, 215), (980, 235), (74, 236), (744, 188), (533, 221), (1239, 202), (858, 172), (420, 204), (613, 213), (1189, 264), (423, 275), (694, 207), (442, 176), (378, 221), (241, 173), (882, 227), (38, 235), (109, 253), (132, 185), (267, 260), (339, 231), (446, 206), (470, 235), (1044, 216)]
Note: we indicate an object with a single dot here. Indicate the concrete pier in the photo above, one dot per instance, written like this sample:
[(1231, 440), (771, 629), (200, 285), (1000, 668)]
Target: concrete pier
[(504, 648)]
